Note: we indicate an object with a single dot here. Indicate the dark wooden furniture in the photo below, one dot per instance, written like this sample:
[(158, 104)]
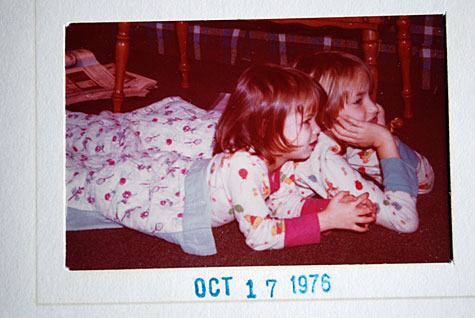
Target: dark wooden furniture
[(370, 36), (122, 47)]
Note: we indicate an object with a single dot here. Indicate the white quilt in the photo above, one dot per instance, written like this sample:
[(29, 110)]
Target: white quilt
[(130, 167)]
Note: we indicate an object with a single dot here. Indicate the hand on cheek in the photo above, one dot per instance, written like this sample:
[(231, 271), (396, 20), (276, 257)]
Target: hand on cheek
[(381, 115), (353, 131)]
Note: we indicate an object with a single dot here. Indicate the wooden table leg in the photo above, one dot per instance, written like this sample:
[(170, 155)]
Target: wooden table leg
[(122, 46), (404, 50), (182, 36), (370, 48)]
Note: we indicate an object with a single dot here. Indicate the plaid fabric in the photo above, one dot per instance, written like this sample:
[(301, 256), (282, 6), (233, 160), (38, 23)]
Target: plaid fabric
[(431, 49), (261, 41)]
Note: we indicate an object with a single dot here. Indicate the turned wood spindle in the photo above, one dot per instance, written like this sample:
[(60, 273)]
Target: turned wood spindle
[(182, 35), (404, 50), (370, 49), (122, 47)]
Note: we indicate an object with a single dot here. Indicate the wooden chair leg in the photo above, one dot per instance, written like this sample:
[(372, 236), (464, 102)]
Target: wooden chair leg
[(122, 46), (404, 50), (182, 35), (370, 49)]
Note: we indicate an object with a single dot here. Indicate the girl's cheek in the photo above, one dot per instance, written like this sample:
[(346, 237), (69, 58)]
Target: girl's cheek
[(342, 113), (352, 113), (345, 111)]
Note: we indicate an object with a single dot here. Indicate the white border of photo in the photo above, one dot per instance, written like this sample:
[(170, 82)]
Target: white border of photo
[(43, 285)]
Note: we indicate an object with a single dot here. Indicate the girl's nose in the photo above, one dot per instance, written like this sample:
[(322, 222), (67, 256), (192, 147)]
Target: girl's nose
[(371, 106)]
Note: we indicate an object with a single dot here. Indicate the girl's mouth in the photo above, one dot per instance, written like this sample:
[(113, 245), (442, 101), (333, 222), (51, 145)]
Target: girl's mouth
[(313, 144), (374, 120)]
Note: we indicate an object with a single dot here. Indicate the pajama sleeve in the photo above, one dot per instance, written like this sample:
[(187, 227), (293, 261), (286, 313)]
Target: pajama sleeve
[(248, 188), (366, 161), (328, 173), (288, 201)]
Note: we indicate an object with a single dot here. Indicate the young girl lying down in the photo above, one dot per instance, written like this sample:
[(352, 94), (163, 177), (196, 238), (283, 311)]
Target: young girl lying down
[(174, 194), (355, 141)]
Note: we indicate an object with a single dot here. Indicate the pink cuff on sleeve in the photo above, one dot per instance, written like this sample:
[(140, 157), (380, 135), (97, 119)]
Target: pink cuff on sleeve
[(312, 205), (302, 230)]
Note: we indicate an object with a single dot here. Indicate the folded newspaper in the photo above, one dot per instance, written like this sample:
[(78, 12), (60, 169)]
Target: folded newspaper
[(87, 79)]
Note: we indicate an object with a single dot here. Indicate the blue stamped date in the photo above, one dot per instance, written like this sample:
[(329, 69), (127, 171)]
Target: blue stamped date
[(297, 285)]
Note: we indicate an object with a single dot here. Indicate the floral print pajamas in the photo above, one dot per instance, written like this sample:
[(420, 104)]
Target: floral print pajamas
[(326, 173), (271, 212)]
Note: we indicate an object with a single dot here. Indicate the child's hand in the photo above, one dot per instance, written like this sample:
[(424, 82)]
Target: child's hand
[(348, 212), (381, 115), (360, 133), (367, 135), (367, 204)]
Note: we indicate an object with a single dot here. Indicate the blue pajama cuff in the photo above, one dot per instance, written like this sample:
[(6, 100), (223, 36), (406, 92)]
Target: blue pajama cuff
[(399, 175), (407, 154)]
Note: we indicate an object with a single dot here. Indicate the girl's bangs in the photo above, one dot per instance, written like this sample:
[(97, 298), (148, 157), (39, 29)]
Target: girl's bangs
[(357, 81), (362, 82), (307, 102)]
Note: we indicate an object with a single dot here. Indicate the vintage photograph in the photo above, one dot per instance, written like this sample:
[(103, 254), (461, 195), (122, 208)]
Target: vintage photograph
[(261, 142)]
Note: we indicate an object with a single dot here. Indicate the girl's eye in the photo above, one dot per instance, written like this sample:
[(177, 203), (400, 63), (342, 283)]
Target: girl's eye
[(358, 101)]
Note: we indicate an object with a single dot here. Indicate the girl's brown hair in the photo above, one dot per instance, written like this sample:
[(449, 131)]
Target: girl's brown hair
[(339, 74), (254, 117)]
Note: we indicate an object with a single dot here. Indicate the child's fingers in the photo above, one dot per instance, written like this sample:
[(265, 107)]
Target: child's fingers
[(357, 126), (348, 133), (368, 202), (368, 205), (360, 212), (340, 195), (349, 126), (359, 228), (364, 212), (344, 123), (338, 134), (343, 134), (361, 198), (365, 219), (348, 198), (342, 130), (351, 121)]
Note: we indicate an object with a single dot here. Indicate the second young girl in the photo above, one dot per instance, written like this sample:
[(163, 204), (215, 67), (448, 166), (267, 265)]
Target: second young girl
[(355, 142)]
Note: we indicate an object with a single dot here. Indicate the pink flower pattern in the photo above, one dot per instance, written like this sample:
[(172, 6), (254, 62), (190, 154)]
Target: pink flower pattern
[(131, 166)]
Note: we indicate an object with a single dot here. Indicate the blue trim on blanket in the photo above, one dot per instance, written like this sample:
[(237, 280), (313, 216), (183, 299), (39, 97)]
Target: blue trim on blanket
[(81, 220), (196, 238), (78, 220), (197, 234)]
